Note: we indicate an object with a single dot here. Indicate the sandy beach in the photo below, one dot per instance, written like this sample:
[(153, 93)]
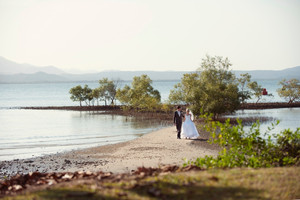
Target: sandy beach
[(151, 150)]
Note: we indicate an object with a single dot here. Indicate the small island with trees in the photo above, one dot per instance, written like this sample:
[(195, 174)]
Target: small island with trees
[(213, 88)]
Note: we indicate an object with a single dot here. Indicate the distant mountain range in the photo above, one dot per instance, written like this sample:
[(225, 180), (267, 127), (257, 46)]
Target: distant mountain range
[(11, 72), (288, 73), (40, 77), (8, 67)]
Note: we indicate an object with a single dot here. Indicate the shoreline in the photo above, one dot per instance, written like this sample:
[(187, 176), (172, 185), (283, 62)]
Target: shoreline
[(246, 106), (150, 150)]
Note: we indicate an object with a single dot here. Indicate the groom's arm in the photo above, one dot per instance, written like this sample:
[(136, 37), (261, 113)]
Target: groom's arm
[(174, 118)]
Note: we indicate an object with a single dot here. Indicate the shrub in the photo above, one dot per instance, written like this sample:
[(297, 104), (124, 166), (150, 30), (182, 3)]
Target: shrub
[(141, 95), (249, 149)]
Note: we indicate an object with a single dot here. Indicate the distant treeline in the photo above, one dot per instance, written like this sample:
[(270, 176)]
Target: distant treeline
[(213, 88)]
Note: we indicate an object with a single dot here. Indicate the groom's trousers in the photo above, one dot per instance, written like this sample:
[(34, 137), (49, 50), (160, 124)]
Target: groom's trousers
[(178, 127)]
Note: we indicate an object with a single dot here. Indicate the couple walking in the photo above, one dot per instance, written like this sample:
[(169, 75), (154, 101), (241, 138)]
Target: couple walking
[(184, 124)]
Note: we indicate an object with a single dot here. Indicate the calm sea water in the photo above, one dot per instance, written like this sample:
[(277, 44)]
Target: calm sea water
[(31, 133), (289, 118), (57, 94)]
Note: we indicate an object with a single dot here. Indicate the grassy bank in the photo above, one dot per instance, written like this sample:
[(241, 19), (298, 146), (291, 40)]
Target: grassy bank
[(267, 183)]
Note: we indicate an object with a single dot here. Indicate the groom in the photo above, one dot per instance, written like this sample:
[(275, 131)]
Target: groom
[(178, 115)]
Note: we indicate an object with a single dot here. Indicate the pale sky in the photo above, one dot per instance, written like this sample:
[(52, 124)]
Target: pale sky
[(150, 34)]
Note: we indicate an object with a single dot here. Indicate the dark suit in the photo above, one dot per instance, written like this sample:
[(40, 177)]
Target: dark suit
[(178, 122)]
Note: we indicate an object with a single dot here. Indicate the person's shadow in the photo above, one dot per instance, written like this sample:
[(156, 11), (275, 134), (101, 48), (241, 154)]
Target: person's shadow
[(200, 140)]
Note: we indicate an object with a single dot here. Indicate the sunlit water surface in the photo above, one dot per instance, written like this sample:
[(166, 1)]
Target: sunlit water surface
[(31, 133), (289, 118)]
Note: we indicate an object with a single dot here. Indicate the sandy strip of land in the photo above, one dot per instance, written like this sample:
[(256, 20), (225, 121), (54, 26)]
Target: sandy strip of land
[(151, 150)]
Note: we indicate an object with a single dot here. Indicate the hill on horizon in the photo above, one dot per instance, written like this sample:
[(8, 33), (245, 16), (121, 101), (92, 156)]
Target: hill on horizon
[(8, 67), (11, 72)]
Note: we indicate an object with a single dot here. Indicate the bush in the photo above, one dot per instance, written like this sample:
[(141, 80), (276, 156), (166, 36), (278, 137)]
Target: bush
[(249, 149), (141, 95)]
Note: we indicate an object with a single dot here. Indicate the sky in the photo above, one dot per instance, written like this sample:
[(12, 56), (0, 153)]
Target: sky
[(159, 35)]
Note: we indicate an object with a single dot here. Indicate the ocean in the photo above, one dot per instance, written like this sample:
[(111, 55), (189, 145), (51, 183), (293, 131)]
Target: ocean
[(32, 133), (57, 94)]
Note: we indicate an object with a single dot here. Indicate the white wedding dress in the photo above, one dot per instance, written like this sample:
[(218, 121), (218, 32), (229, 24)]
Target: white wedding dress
[(189, 129)]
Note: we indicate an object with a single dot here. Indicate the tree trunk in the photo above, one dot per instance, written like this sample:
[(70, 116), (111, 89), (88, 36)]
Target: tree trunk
[(257, 100), (214, 117)]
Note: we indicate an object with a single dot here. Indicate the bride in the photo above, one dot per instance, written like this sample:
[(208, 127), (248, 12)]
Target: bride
[(189, 129)]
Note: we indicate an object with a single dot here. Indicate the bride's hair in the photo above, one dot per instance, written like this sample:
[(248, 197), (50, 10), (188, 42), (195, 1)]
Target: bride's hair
[(190, 113)]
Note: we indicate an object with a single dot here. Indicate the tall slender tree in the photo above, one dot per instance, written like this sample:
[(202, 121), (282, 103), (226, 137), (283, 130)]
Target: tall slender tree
[(77, 94), (109, 90)]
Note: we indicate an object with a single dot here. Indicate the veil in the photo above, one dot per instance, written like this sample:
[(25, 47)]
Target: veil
[(192, 115)]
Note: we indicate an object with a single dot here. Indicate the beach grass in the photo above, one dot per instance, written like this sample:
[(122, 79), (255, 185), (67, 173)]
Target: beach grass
[(239, 183)]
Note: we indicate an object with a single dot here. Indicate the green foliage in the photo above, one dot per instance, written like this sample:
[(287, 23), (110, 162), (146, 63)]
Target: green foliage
[(87, 95), (288, 147), (250, 149), (98, 94), (184, 92), (256, 90), (141, 95), (212, 88), (244, 94), (176, 95), (290, 90), (124, 95), (77, 94), (166, 108), (108, 90)]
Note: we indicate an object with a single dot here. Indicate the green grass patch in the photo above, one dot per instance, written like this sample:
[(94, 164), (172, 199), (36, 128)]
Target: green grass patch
[(238, 183)]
